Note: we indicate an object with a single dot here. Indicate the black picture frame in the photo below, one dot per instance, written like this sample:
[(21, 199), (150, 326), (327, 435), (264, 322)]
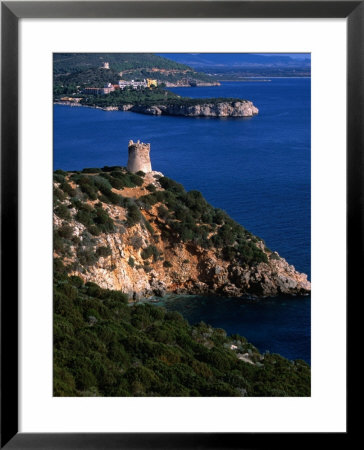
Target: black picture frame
[(11, 12)]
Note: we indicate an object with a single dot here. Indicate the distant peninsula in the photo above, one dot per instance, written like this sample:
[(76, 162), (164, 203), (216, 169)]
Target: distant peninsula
[(141, 86), (208, 107), (198, 108)]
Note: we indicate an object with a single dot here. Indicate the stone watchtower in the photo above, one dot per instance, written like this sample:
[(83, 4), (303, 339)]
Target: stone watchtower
[(139, 158)]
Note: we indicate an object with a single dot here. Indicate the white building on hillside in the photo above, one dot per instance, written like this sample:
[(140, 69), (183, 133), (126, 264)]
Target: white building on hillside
[(132, 83)]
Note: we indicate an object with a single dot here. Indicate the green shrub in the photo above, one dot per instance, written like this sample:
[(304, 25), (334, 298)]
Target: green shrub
[(91, 170), (58, 194), (58, 243), (134, 216), (136, 179), (96, 219), (163, 212), (90, 191), (67, 189), (148, 226), (94, 230), (103, 251), (103, 221), (59, 269), (63, 212), (102, 183), (117, 183), (104, 199), (149, 251), (60, 172), (113, 198), (85, 217), (86, 256), (65, 231), (112, 168), (117, 173), (93, 290), (63, 383), (85, 379), (171, 185), (76, 281)]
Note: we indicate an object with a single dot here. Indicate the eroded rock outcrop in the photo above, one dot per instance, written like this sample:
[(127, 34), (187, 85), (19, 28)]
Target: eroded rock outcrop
[(146, 258), (243, 108)]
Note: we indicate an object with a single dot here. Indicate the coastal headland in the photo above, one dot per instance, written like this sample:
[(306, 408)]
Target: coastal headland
[(121, 236), (89, 81), (144, 234), (206, 108)]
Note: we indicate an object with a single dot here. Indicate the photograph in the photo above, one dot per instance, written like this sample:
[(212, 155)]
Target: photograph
[(182, 224)]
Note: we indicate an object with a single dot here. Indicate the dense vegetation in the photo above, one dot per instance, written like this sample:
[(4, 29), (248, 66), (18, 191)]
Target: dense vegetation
[(75, 62), (105, 346), (182, 216), (75, 71), (131, 96), (149, 97), (71, 203), (187, 217)]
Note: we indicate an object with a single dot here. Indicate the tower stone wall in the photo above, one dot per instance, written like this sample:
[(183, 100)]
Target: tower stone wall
[(139, 158)]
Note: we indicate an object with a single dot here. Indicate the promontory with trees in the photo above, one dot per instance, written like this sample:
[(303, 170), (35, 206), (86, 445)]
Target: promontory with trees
[(120, 237), (138, 83)]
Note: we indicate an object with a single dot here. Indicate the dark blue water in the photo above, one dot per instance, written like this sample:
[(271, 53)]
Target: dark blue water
[(280, 325), (257, 169)]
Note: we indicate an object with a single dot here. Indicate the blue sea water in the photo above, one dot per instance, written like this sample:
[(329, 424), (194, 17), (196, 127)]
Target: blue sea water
[(257, 169), (279, 325)]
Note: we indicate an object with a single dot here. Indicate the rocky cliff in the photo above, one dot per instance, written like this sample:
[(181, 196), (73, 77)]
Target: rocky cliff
[(243, 108), (145, 235)]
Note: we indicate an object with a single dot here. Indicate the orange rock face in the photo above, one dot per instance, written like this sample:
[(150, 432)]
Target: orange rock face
[(175, 266)]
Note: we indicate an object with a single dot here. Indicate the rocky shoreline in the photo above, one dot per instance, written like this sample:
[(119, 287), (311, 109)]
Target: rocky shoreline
[(74, 104), (191, 269), (197, 84), (239, 108), (220, 109)]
